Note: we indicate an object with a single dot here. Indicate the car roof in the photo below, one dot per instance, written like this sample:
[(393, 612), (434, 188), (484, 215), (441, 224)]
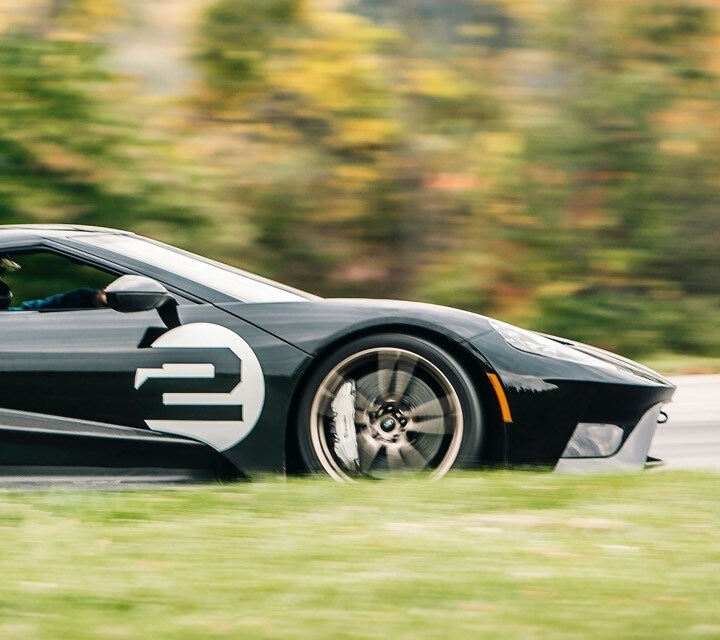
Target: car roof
[(57, 229)]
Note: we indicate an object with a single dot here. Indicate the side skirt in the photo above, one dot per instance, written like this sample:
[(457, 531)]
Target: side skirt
[(43, 449)]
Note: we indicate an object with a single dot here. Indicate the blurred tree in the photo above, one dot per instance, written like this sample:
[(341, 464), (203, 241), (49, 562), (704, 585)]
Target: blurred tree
[(616, 174), (552, 162), (67, 153), (547, 162), (351, 137)]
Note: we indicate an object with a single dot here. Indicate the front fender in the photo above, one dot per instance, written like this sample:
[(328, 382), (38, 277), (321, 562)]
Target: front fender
[(548, 397)]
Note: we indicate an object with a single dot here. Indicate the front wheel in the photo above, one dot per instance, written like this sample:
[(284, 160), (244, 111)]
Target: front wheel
[(387, 405)]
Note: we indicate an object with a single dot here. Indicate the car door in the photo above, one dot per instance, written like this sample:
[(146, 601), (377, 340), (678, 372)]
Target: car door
[(210, 377)]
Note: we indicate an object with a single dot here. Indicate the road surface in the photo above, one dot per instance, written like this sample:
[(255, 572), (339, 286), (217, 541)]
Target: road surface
[(690, 439)]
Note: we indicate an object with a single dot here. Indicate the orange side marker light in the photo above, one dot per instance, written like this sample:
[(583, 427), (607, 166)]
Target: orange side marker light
[(502, 398)]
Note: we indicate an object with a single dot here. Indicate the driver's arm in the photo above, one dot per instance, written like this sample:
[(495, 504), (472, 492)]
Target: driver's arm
[(84, 298)]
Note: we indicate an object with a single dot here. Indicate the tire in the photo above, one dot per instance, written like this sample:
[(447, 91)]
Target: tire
[(415, 410)]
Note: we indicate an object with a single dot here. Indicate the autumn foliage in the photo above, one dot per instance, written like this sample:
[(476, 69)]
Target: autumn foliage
[(554, 163)]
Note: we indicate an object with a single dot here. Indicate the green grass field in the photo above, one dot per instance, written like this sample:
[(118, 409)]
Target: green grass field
[(502, 554), (671, 364)]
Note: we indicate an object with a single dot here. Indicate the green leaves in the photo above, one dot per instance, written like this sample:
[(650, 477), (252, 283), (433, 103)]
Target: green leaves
[(535, 161)]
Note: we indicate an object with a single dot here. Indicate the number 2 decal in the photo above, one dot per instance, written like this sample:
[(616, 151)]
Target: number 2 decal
[(248, 395)]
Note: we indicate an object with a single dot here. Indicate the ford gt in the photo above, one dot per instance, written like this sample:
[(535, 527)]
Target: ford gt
[(194, 370)]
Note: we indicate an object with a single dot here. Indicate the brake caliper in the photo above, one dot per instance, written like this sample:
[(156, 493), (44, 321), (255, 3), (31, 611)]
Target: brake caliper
[(346, 446)]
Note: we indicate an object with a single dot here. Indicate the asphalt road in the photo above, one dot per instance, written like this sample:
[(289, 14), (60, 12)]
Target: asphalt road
[(690, 439)]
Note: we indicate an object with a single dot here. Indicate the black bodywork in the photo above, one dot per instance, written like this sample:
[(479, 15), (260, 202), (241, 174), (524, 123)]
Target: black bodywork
[(69, 406)]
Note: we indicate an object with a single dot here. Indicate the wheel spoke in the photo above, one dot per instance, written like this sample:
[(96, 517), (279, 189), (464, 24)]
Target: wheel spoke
[(409, 390), (434, 426), (326, 399), (368, 449), (430, 407), (404, 376), (394, 458), (361, 400), (388, 361), (412, 456)]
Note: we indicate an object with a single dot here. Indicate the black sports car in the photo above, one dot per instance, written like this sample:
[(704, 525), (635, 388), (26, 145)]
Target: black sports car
[(192, 369)]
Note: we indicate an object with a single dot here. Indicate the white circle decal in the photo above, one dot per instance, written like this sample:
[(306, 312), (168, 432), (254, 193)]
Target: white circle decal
[(248, 395)]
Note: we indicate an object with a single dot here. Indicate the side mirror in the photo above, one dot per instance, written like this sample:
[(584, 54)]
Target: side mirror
[(136, 293)]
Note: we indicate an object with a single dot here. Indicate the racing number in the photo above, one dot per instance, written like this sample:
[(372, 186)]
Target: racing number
[(248, 395)]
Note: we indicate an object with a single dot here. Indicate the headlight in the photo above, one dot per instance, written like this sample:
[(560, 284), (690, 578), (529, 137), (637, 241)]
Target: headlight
[(532, 342)]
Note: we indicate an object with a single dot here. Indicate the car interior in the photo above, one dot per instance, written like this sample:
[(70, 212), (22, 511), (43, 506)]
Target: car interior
[(33, 275)]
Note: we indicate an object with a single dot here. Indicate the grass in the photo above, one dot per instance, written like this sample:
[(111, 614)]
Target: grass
[(673, 364), (513, 554)]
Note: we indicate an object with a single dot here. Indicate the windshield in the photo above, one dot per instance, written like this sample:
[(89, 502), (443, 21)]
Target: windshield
[(233, 282)]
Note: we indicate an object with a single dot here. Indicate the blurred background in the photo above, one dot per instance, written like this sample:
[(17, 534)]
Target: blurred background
[(554, 163)]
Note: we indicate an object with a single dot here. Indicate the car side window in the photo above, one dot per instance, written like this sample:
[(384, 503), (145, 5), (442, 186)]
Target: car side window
[(43, 280)]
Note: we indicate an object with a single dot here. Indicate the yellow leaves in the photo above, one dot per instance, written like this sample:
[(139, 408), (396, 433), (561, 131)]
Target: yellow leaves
[(87, 16), (713, 53), (364, 132), (336, 65), (78, 20), (12, 17), (59, 60), (623, 260), (679, 147), (435, 81), (685, 125), (334, 73), (477, 30), (560, 289), (502, 142), (532, 10), (60, 159), (355, 174), (100, 9), (328, 18), (687, 114)]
